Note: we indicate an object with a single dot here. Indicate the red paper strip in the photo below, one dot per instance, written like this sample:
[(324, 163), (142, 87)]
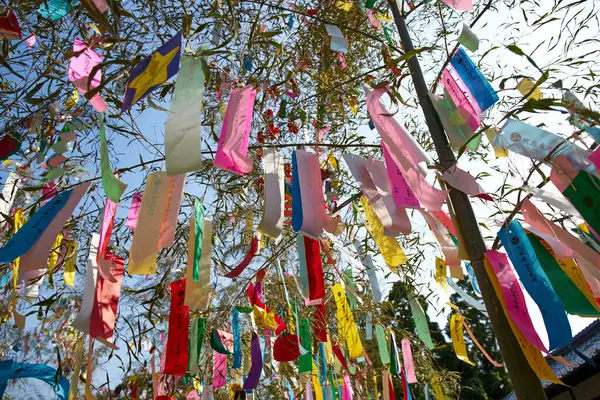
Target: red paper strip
[(106, 301), (340, 356), (8, 146), (320, 323), (176, 359), (314, 269), (246, 261)]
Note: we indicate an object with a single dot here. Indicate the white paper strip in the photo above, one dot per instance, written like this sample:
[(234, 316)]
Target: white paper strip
[(555, 200), (271, 223), (82, 321), (466, 297), (468, 39), (9, 192), (182, 131)]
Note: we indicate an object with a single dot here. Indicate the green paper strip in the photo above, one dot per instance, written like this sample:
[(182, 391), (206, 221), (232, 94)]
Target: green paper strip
[(113, 187), (350, 288), (199, 232), (421, 323), (387, 36), (244, 310), (384, 354), (193, 353), (394, 367), (573, 300), (584, 194), (201, 330), (305, 361), (216, 344)]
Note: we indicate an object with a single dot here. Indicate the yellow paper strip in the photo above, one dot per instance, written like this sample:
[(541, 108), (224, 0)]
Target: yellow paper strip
[(440, 279), (19, 319), (388, 246), (79, 348), (458, 339), (70, 261), (346, 323), (144, 246), (526, 87), (437, 388)]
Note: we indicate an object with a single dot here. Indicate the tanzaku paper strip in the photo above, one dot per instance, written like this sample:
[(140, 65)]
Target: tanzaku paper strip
[(535, 359), (144, 245), (460, 100), (134, 210), (511, 289), (182, 130), (468, 38), (82, 320), (478, 86), (388, 246), (382, 345), (253, 376), (80, 68), (37, 256), (346, 323), (235, 133), (373, 179), (408, 361), (458, 339), (197, 293), (271, 223), (171, 211), (401, 192), (113, 187), (176, 358), (420, 321), (536, 282)]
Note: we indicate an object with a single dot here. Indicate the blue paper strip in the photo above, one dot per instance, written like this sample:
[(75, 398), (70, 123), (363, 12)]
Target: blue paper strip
[(10, 369), (302, 265), (237, 339), (480, 88), (537, 284), (323, 362), (25, 238), (473, 278), (297, 216)]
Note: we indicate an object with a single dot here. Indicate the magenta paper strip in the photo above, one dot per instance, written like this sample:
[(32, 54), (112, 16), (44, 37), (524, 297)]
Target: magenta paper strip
[(235, 133), (459, 98), (514, 298), (595, 158), (409, 364), (405, 152), (80, 68), (401, 192), (134, 211), (347, 389)]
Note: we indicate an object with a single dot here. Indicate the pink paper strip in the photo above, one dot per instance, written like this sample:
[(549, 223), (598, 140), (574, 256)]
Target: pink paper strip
[(104, 264), (409, 364), (37, 256), (563, 172), (347, 389), (220, 361), (134, 211), (461, 180), (595, 157), (106, 302), (460, 100), (448, 248), (235, 133), (80, 68), (315, 217), (172, 207), (405, 152), (30, 41), (374, 22), (402, 193), (461, 5), (514, 300), (537, 220)]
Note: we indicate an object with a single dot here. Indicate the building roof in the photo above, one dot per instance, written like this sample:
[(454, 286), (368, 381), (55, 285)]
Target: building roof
[(587, 342)]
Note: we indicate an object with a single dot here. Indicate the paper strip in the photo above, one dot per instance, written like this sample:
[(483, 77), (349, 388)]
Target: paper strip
[(314, 269), (80, 68), (478, 86), (219, 370), (237, 339), (257, 365), (235, 133), (234, 273), (407, 359), (570, 296), (526, 88), (466, 297), (271, 223), (346, 324), (468, 39), (373, 179), (388, 246), (144, 245), (474, 339), (305, 360), (37, 254), (459, 98), (9, 192), (171, 212), (74, 389), (458, 340), (584, 194), (134, 211), (373, 279), (182, 130), (314, 217), (536, 282), (382, 345), (82, 320), (461, 5), (401, 192), (555, 200), (197, 293), (421, 323), (106, 301), (176, 358), (536, 143), (535, 359), (193, 347)]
